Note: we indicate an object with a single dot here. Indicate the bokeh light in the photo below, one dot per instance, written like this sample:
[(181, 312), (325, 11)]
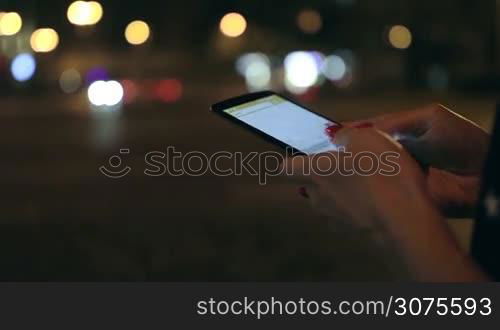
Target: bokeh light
[(319, 59), (256, 68), (10, 23), (96, 12), (3, 64), (130, 90), (44, 40), (247, 59), (310, 21), (70, 81), (233, 25), (334, 68), (96, 74), (23, 67), (400, 37), (105, 93), (301, 71), (258, 76), (137, 32), (85, 13), (169, 90)]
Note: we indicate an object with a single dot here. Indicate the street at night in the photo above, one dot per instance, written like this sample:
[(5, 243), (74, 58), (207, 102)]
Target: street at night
[(63, 219)]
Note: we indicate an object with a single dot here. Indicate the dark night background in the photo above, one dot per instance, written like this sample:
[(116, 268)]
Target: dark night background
[(63, 220)]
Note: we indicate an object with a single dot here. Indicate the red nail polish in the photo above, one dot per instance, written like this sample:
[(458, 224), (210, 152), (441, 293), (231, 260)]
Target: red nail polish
[(303, 192), (332, 130), (364, 125)]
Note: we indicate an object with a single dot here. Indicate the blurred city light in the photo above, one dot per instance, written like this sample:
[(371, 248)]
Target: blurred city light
[(44, 40), (245, 60), (256, 68), (169, 90), (130, 90), (137, 32), (233, 25), (400, 37), (96, 74), (10, 23), (310, 21), (3, 64), (319, 59), (258, 76), (96, 12), (70, 81), (105, 93), (301, 71), (334, 68), (23, 67), (85, 13)]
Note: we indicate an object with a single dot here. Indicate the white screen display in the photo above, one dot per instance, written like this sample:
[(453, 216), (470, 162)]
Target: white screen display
[(287, 122)]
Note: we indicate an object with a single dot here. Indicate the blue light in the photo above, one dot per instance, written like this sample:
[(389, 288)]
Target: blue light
[(23, 67)]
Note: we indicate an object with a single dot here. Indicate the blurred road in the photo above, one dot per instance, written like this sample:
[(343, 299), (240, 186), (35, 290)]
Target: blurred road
[(63, 220)]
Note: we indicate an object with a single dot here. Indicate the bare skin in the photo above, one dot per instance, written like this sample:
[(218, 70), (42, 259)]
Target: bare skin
[(405, 211), (451, 147)]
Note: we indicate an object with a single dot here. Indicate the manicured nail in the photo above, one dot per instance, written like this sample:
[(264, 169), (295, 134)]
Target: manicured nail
[(332, 130), (364, 125), (303, 192)]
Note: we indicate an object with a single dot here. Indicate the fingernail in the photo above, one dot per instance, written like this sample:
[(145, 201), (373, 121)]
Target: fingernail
[(303, 192), (332, 130), (364, 125)]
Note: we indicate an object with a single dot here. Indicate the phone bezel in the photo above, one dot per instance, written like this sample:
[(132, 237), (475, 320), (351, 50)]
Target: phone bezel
[(219, 108)]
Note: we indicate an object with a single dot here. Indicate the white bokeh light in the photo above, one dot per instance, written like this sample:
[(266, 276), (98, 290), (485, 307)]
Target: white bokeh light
[(96, 93), (256, 68), (334, 68), (115, 91), (245, 60), (258, 76), (105, 93), (301, 71)]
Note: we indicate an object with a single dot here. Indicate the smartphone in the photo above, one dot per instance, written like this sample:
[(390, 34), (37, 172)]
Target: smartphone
[(279, 120)]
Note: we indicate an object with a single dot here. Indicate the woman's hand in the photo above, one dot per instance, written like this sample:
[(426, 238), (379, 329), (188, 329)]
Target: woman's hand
[(372, 191), (392, 201), (451, 147)]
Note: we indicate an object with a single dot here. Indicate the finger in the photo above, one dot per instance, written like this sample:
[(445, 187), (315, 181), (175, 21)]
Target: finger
[(411, 123), (297, 169), (453, 194)]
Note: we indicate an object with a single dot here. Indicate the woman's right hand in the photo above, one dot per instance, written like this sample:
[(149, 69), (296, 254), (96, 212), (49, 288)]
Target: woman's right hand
[(452, 147)]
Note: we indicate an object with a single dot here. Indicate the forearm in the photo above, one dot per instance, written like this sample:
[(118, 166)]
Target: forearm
[(428, 248)]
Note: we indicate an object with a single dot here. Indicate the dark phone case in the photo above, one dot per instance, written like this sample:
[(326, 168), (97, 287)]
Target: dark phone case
[(219, 108)]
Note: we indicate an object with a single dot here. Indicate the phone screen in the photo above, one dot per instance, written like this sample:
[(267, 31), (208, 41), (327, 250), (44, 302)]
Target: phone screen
[(286, 121)]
